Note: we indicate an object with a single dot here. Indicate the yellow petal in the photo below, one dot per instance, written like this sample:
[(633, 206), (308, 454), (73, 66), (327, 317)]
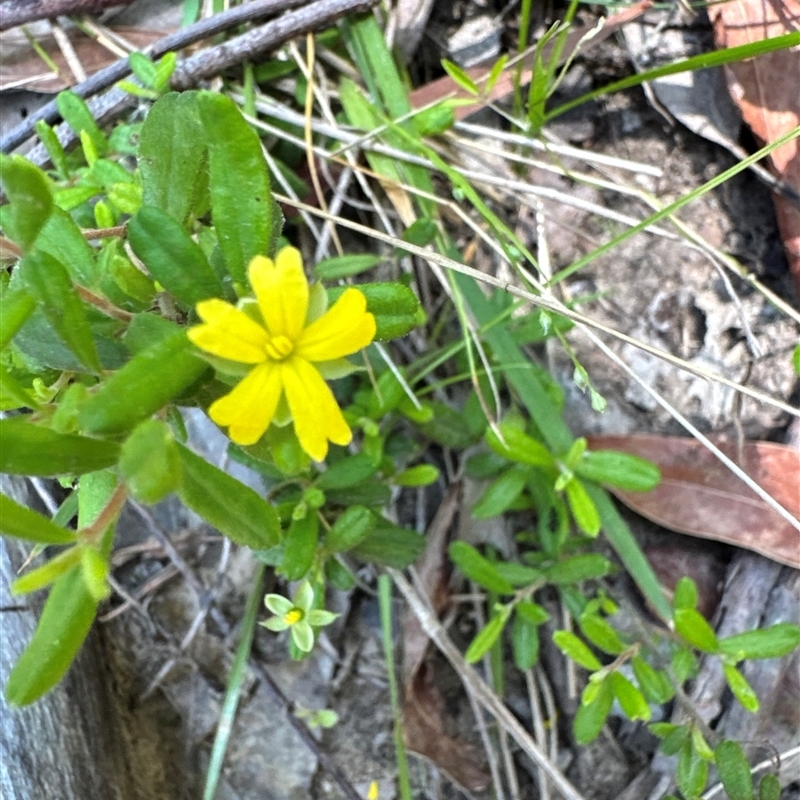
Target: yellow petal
[(343, 330), (248, 410), (229, 333), (282, 291), (317, 417)]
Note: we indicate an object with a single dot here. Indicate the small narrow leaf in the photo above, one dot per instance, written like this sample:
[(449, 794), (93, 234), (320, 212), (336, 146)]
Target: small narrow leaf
[(692, 626), (48, 280), (583, 509), (420, 475), (629, 697), (501, 493), (734, 771), (487, 636), (770, 788), (685, 595), (618, 469), (579, 568), (692, 772), (654, 684), (338, 267), (390, 545), (16, 520), (478, 569), (350, 529), (741, 688), (460, 77), (77, 115), (525, 641), (16, 305), (28, 449), (591, 717), (346, 473), (67, 616), (518, 446), (300, 546), (150, 463), (773, 642), (600, 633), (49, 572), (572, 647)]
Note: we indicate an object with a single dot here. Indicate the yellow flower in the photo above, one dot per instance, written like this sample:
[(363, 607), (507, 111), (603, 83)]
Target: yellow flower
[(289, 350)]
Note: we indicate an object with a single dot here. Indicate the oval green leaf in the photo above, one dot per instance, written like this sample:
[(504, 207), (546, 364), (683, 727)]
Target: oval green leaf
[(300, 546), (486, 637), (501, 493), (692, 626), (172, 257), (591, 717), (773, 642), (622, 470), (350, 529), (150, 463), (572, 647), (518, 446), (150, 380), (31, 201), (230, 506)]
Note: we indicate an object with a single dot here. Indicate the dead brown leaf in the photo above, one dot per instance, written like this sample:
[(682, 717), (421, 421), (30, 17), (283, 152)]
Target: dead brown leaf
[(21, 67), (700, 496), (423, 720), (766, 90)]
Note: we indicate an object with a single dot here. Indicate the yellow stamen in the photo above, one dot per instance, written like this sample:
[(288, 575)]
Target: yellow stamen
[(278, 347), (293, 616)]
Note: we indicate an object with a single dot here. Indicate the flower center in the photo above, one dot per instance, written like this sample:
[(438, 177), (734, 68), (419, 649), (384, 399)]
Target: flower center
[(293, 616), (278, 347)]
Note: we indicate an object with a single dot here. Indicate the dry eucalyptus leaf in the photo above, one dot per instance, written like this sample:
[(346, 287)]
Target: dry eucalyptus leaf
[(700, 496), (766, 90)]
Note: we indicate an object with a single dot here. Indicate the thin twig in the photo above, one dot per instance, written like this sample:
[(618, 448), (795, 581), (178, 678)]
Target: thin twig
[(108, 76), (19, 12), (476, 685)]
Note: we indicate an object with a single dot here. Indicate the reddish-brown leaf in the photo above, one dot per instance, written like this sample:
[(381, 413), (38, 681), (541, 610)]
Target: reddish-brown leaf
[(767, 90), (700, 496)]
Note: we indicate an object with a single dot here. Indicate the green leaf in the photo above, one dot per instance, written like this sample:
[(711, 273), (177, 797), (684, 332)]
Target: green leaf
[(300, 546), (338, 267), (421, 232), (622, 470), (149, 462), (348, 472), (245, 214), (487, 636), (48, 573), (734, 771), (524, 641), (583, 509), (47, 136), (579, 568), (600, 633), (394, 306), (143, 68), (770, 788), (685, 595), (48, 280), (150, 380), (350, 529), (390, 546), (447, 427), (572, 647), (773, 642), (796, 359), (172, 257), (532, 612), (631, 700), (230, 506), (654, 684), (95, 571), (479, 569), (16, 306), (77, 115), (62, 239), (460, 77), (31, 201), (591, 717), (420, 475), (692, 772), (684, 664), (701, 746), (501, 493), (67, 616), (28, 449), (692, 626), (741, 688), (16, 520), (517, 574), (519, 447), (675, 739), (173, 155)]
